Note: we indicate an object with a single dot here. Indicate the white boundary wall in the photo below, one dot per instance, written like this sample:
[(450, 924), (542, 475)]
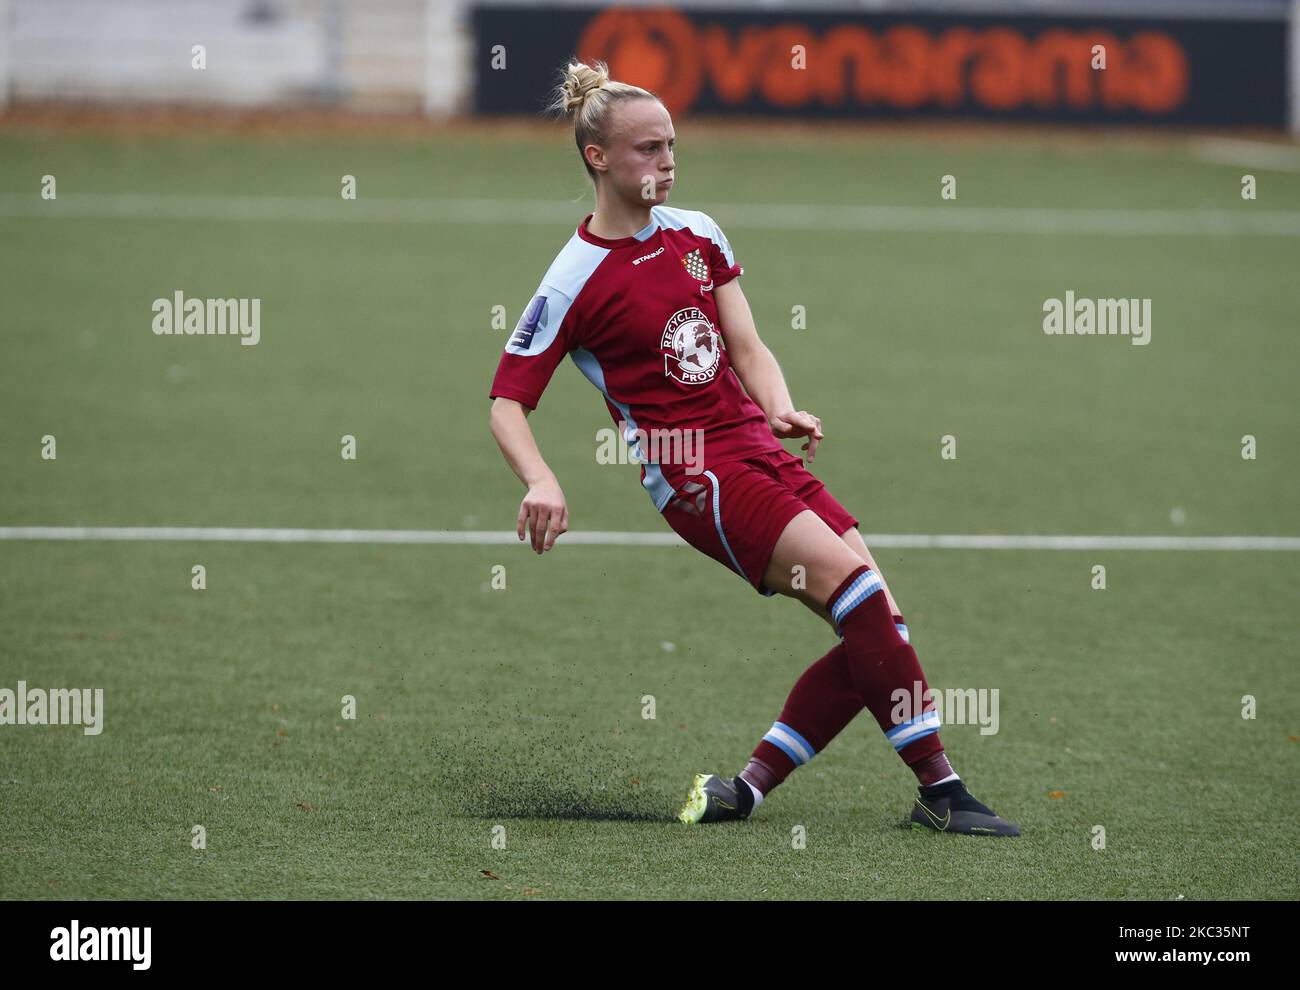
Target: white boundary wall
[(385, 55)]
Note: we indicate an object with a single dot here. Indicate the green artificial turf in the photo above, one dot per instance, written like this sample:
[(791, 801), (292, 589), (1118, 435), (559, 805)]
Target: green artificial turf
[(522, 708)]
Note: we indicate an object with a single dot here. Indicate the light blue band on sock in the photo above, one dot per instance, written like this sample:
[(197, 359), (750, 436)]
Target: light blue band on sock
[(925, 724), (863, 587), (790, 743)]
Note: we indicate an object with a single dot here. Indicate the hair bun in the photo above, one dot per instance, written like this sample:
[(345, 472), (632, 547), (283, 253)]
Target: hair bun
[(580, 80), (587, 94)]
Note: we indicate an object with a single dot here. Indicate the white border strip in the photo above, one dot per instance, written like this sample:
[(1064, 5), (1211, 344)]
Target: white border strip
[(626, 539)]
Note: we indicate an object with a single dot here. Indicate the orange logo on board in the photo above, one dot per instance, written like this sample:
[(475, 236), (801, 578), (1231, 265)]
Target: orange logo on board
[(902, 67)]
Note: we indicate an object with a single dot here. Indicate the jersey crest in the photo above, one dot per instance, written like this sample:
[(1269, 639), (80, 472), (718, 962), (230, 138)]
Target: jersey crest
[(696, 266)]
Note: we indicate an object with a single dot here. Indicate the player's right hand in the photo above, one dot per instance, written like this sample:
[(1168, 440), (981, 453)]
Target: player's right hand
[(543, 514)]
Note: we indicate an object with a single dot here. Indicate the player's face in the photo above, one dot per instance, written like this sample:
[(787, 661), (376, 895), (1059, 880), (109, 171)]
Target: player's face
[(639, 155)]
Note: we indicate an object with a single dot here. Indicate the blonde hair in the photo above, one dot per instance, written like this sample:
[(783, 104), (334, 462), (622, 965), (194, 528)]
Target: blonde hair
[(590, 95)]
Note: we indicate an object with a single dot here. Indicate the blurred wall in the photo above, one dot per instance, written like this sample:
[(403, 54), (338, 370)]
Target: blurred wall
[(365, 54)]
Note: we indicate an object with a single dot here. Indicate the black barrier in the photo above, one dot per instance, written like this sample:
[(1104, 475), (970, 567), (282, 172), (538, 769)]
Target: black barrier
[(844, 65), (126, 941)]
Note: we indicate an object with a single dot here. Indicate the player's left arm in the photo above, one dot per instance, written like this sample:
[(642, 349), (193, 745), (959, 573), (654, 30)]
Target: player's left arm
[(757, 368)]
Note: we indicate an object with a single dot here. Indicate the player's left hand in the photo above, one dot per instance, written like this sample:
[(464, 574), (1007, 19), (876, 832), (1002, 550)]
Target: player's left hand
[(799, 424)]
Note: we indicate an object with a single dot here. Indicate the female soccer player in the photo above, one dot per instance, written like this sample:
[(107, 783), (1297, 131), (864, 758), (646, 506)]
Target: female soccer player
[(644, 298)]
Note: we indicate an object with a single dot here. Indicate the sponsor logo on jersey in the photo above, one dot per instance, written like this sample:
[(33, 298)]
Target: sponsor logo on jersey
[(691, 347), (522, 338), (647, 257)]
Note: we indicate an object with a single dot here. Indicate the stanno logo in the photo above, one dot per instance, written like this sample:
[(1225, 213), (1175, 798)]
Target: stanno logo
[(647, 257), (77, 944)]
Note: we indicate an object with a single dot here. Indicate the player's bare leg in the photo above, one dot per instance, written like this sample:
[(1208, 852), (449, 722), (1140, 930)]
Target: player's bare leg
[(853, 540)]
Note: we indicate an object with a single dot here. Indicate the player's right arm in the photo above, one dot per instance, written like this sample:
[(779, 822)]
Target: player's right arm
[(546, 332), (543, 512)]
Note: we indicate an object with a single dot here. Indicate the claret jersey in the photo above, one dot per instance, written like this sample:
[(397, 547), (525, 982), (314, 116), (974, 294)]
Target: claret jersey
[(637, 315)]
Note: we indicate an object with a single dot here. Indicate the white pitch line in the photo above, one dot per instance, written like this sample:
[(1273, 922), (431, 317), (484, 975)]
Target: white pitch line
[(1245, 222), (605, 538), (1250, 154)]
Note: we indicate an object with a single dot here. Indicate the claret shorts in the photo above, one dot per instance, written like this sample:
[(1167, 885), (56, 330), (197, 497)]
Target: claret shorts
[(736, 511)]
